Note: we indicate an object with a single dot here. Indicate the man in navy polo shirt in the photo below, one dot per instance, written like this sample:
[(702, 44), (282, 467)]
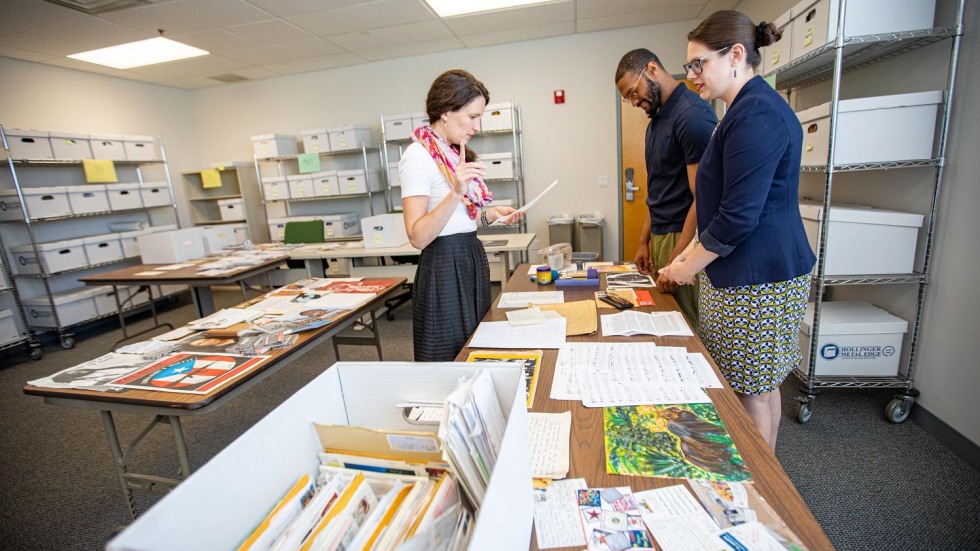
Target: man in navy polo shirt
[(680, 126)]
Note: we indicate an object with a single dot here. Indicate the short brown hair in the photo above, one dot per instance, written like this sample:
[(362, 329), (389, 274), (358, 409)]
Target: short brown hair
[(729, 27)]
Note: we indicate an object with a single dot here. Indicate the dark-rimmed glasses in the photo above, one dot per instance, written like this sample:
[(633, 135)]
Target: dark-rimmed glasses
[(631, 94), (696, 65)]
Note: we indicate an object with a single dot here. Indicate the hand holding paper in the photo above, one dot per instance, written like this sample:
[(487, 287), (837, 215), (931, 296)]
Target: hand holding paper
[(512, 217)]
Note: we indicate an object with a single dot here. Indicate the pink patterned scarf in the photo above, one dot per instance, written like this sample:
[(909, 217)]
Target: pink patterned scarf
[(446, 158)]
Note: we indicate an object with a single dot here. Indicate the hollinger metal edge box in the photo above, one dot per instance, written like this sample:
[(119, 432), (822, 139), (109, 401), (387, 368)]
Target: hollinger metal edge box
[(220, 504), (855, 339)]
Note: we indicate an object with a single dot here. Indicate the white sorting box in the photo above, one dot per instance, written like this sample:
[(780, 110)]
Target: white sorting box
[(300, 186), (872, 130), (140, 148), (57, 256), (170, 247), (232, 209), (8, 327), (340, 225), (103, 248), (29, 144), (315, 140), (42, 202), (394, 178), (855, 339), (399, 127), (71, 146), (349, 136), (863, 240), (217, 238), (73, 307), (337, 267), (779, 53), (353, 182), (239, 232), (273, 145), (325, 183), (420, 119), (104, 298), (155, 194), (815, 21), (499, 165), (384, 230), (497, 117), (108, 147), (129, 241), (276, 451), (88, 198), (275, 188), (124, 196)]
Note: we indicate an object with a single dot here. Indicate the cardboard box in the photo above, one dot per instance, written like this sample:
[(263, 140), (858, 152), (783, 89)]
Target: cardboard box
[(275, 188), (398, 127), (103, 248), (274, 452), (498, 117), (855, 339), (88, 198), (72, 307), (340, 225), (354, 182), (500, 166), (300, 186), (239, 232), (337, 267), (384, 230), (155, 194), (71, 146), (42, 202), (325, 183), (108, 147), (420, 119), (232, 209), (815, 21), (171, 247), (350, 136), (273, 145), (316, 140), (124, 196), (779, 53), (29, 144), (8, 327), (140, 148), (863, 240), (56, 256), (872, 130), (217, 238)]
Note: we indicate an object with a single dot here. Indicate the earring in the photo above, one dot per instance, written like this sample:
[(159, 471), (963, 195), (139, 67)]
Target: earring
[(734, 72)]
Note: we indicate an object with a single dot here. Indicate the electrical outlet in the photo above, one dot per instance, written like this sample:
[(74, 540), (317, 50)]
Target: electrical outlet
[(603, 181)]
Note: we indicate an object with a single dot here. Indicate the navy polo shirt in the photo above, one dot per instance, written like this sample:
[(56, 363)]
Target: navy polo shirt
[(676, 137)]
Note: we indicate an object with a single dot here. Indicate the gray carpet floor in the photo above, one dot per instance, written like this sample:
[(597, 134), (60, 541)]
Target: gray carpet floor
[(871, 484)]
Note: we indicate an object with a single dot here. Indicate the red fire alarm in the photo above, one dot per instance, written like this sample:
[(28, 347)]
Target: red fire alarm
[(559, 96)]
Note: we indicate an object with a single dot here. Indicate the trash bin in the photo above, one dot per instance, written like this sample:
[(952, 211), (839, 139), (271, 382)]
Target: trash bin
[(589, 230), (560, 229)]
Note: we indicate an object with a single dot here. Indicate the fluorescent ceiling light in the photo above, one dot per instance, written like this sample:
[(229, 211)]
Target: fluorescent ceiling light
[(140, 53), (450, 8)]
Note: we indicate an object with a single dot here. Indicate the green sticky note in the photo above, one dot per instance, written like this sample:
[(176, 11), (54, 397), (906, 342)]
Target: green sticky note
[(771, 79), (308, 162)]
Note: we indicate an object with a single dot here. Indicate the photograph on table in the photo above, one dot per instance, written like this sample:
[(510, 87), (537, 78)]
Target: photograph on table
[(189, 373), (675, 441)]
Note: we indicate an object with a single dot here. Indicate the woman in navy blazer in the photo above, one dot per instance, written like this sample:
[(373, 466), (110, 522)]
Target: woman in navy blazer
[(751, 256)]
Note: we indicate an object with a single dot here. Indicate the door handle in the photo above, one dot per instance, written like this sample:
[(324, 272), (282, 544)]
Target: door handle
[(630, 188)]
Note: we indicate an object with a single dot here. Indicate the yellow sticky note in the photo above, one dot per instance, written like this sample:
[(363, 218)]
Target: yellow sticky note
[(220, 166), (98, 171), (308, 162), (210, 178)]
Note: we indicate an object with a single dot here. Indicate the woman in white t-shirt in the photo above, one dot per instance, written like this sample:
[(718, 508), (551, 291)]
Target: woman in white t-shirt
[(442, 198)]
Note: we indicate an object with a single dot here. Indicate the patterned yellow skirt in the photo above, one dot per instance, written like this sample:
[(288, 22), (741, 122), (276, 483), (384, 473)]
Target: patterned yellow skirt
[(753, 331)]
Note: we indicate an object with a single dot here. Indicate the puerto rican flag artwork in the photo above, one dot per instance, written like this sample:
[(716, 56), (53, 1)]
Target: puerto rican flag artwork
[(193, 373)]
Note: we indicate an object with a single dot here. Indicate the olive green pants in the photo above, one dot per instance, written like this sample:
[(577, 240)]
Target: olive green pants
[(661, 245)]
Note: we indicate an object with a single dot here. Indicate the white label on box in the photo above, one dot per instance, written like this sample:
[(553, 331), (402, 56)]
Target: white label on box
[(403, 443)]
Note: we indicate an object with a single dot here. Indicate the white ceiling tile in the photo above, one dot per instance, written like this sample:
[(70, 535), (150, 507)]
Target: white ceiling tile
[(321, 63), (215, 41), (637, 19), (255, 73), (287, 8), (363, 16), (265, 55), (21, 16), (194, 83), (714, 5), (26, 55), (594, 9), (531, 16), (86, 34), (391, 36), (266, 33), (188, 15), (198, 66), (414, 48), (517, 35)]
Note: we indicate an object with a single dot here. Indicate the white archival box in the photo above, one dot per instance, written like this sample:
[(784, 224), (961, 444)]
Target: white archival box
[(71, 146), (108, 147), (220, 504), (398, 127), (349, 136), (275, 188), (273, 145), (8, 327), (315, 140), (73, 307), (218, 237), (340, 225), (173, 246), (124, 196), (88, 198), (42, 202), (497, 117), (779, 53), (300, 186), (29, 144), (856, 339), (155, 194), (231, 209), (103, 248), (863, 240), (872, 130), (58, 256), (384, 230), (354, 182), (140, 148), (499, 165), (325, 183), (815, 21)]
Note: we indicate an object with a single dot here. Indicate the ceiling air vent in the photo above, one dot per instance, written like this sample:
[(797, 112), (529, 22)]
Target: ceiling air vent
[(228, 78), (100, 6)]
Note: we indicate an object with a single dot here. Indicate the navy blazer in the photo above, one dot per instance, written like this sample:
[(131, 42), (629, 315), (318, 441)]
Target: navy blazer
[(747, 192)]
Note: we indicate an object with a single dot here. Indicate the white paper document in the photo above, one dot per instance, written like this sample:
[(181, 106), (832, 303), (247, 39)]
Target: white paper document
[(531, 316), (501, 334), (180, 266), (676, 519), (226, 318), (529, 204), (598, 390), (660, 324), (525, 299), (549, 436), (556, 515)]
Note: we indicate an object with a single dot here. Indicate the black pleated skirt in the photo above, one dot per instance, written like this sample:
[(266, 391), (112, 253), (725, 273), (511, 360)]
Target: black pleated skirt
[(450, 296)]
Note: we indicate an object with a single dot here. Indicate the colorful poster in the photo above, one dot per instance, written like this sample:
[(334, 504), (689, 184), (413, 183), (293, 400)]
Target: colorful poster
[(190, 373), (364, 286), (674, 441), (611, 520)]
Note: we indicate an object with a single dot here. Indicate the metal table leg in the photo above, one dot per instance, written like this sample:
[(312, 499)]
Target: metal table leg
[(119, 459), (203, 300)]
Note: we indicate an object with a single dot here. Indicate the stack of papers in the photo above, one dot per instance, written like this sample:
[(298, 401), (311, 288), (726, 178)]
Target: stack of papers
[(525, 299), (501, 334), (225, 318), (658, 324)]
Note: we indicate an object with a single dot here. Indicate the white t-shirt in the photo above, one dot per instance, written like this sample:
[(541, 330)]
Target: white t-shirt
[(421, 176)]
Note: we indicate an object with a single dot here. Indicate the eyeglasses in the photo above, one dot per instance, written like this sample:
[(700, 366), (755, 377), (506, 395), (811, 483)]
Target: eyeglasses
[(696, 65), (631, 94)]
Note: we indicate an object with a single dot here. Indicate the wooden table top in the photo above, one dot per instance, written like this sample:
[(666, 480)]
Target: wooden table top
[(587, 447), (186, 276), (187, 401)]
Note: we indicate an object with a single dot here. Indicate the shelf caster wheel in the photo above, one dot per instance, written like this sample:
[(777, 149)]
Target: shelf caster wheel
[(389, 315), (898, 410), (35, 354), (67, 343), (803, 412)]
